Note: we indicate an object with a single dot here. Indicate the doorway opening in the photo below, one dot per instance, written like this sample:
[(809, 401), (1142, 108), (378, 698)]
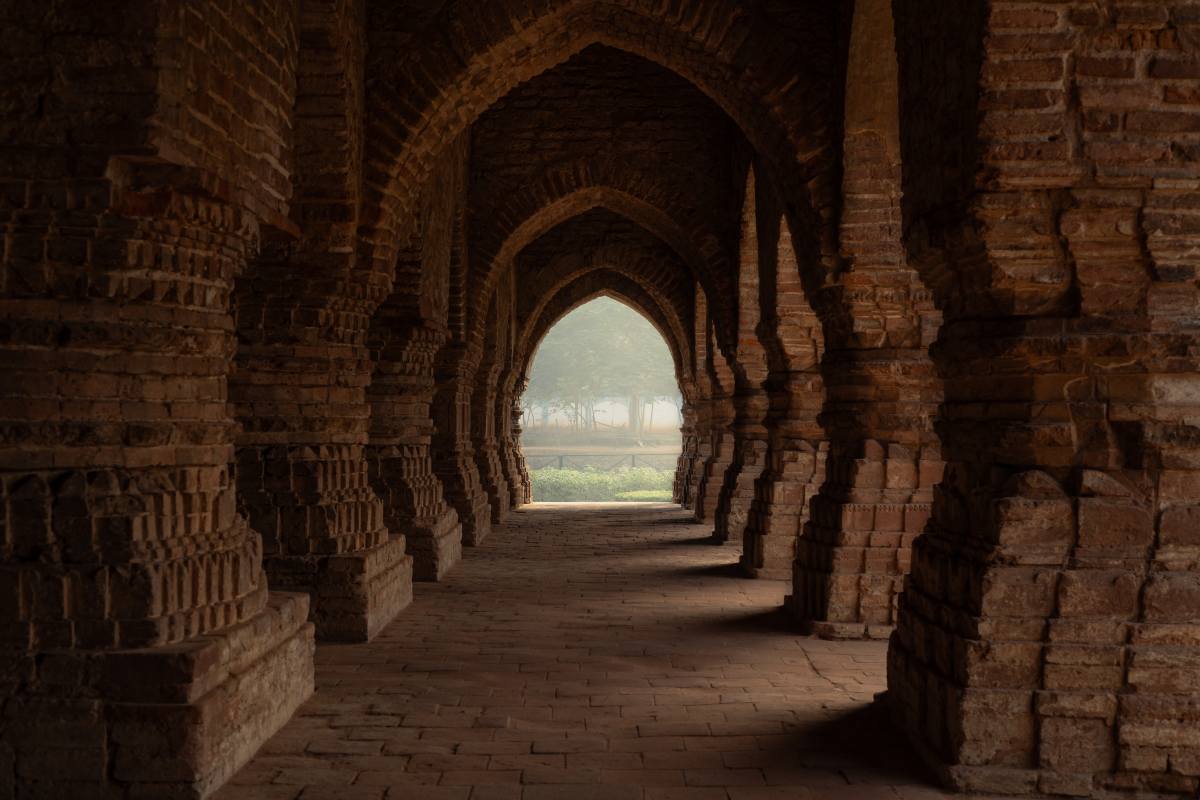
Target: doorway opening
[(601, 415)]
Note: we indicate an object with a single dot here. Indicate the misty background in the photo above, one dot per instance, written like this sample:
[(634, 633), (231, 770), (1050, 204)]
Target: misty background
[(602, 411)]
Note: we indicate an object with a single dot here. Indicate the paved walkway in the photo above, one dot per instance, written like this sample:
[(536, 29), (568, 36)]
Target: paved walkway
[(591, 653)]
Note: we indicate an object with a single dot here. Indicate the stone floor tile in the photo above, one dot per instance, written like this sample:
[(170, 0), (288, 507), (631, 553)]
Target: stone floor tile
[(594, 654)]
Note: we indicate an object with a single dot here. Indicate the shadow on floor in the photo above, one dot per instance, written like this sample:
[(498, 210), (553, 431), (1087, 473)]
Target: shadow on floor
[(695, 541), (775, 620), (730, 570), (675, 519), (868, 743)]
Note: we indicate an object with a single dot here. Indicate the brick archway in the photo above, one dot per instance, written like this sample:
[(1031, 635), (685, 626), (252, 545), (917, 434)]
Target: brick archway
[(587, 285), (272, 272), (451, 82), (567, 193)]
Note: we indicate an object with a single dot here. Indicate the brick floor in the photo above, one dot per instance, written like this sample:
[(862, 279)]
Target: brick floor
[(591, 653)]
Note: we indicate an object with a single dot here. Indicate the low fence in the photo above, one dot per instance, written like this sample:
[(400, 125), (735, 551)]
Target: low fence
[(603, 462)]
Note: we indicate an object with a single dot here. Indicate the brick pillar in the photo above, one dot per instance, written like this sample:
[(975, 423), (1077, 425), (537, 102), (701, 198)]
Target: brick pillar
[(508, 413), (454, 453), (716, 438), (485, 399), (702, 450), (489, 454), (302, 367), (1050, 628), (793, 338), (401, 465), (407, 332), (882, 389), (681, 491), (747, 461), (716, 449), (1051, 625), (794, 474), (750, 402), (883, 464), (300, 393), (134, 608)]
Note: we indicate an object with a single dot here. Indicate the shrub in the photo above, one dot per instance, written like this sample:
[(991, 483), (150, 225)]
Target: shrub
[(587, 485), (646, 496)]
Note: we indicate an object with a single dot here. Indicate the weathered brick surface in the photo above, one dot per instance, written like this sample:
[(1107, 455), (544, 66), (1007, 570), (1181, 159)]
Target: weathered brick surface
[(1037, 649), (407, 333), (750, 399), (881, 389), (714, 414), (136, 618), (485, 432), (793, 338), (302, 366), (272, 275)]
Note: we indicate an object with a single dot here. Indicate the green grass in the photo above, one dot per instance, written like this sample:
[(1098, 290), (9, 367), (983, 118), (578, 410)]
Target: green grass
[(594, 486)]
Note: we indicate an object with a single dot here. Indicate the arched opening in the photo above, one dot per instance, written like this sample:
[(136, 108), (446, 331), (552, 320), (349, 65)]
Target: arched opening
[(274, 278), (602, 407)]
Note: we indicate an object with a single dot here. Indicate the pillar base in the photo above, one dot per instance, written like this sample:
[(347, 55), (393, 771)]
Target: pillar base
[(768, 557), (172, 722), (824, 629), (480, 523), (354, 595), (436, 548), (499, 503)]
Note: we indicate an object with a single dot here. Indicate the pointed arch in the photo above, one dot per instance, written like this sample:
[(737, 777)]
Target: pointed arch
[(583, 289), (482, 50), (569, 193)]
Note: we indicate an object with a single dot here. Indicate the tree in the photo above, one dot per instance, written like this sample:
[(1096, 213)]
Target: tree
[(601, 350)]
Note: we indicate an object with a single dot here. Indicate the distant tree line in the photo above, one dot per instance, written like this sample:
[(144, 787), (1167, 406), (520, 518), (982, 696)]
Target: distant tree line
[(602, 351)]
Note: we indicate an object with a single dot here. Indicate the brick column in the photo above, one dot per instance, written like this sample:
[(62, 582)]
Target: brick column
[(302, 367), (485, 401), (399, 458), (716, 450), (300, 394), (702, 452), (876, 495), (1050, 628), (747, 460), (688, 457), (134, 609), (881, 387), (714, 426), (793, 342), (454, 453), (750, 402), (794, 474), (489, 456), (1053, 614), (508, 413), (407, 332)]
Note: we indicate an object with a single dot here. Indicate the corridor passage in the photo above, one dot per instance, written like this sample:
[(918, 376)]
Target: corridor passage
[(600, 651)]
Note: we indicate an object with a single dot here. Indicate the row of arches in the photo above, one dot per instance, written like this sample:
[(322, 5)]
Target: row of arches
[(270, 303)]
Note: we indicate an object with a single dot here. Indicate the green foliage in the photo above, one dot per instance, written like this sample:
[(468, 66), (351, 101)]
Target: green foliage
[(573, 485), (646, 496), (603, 349)]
